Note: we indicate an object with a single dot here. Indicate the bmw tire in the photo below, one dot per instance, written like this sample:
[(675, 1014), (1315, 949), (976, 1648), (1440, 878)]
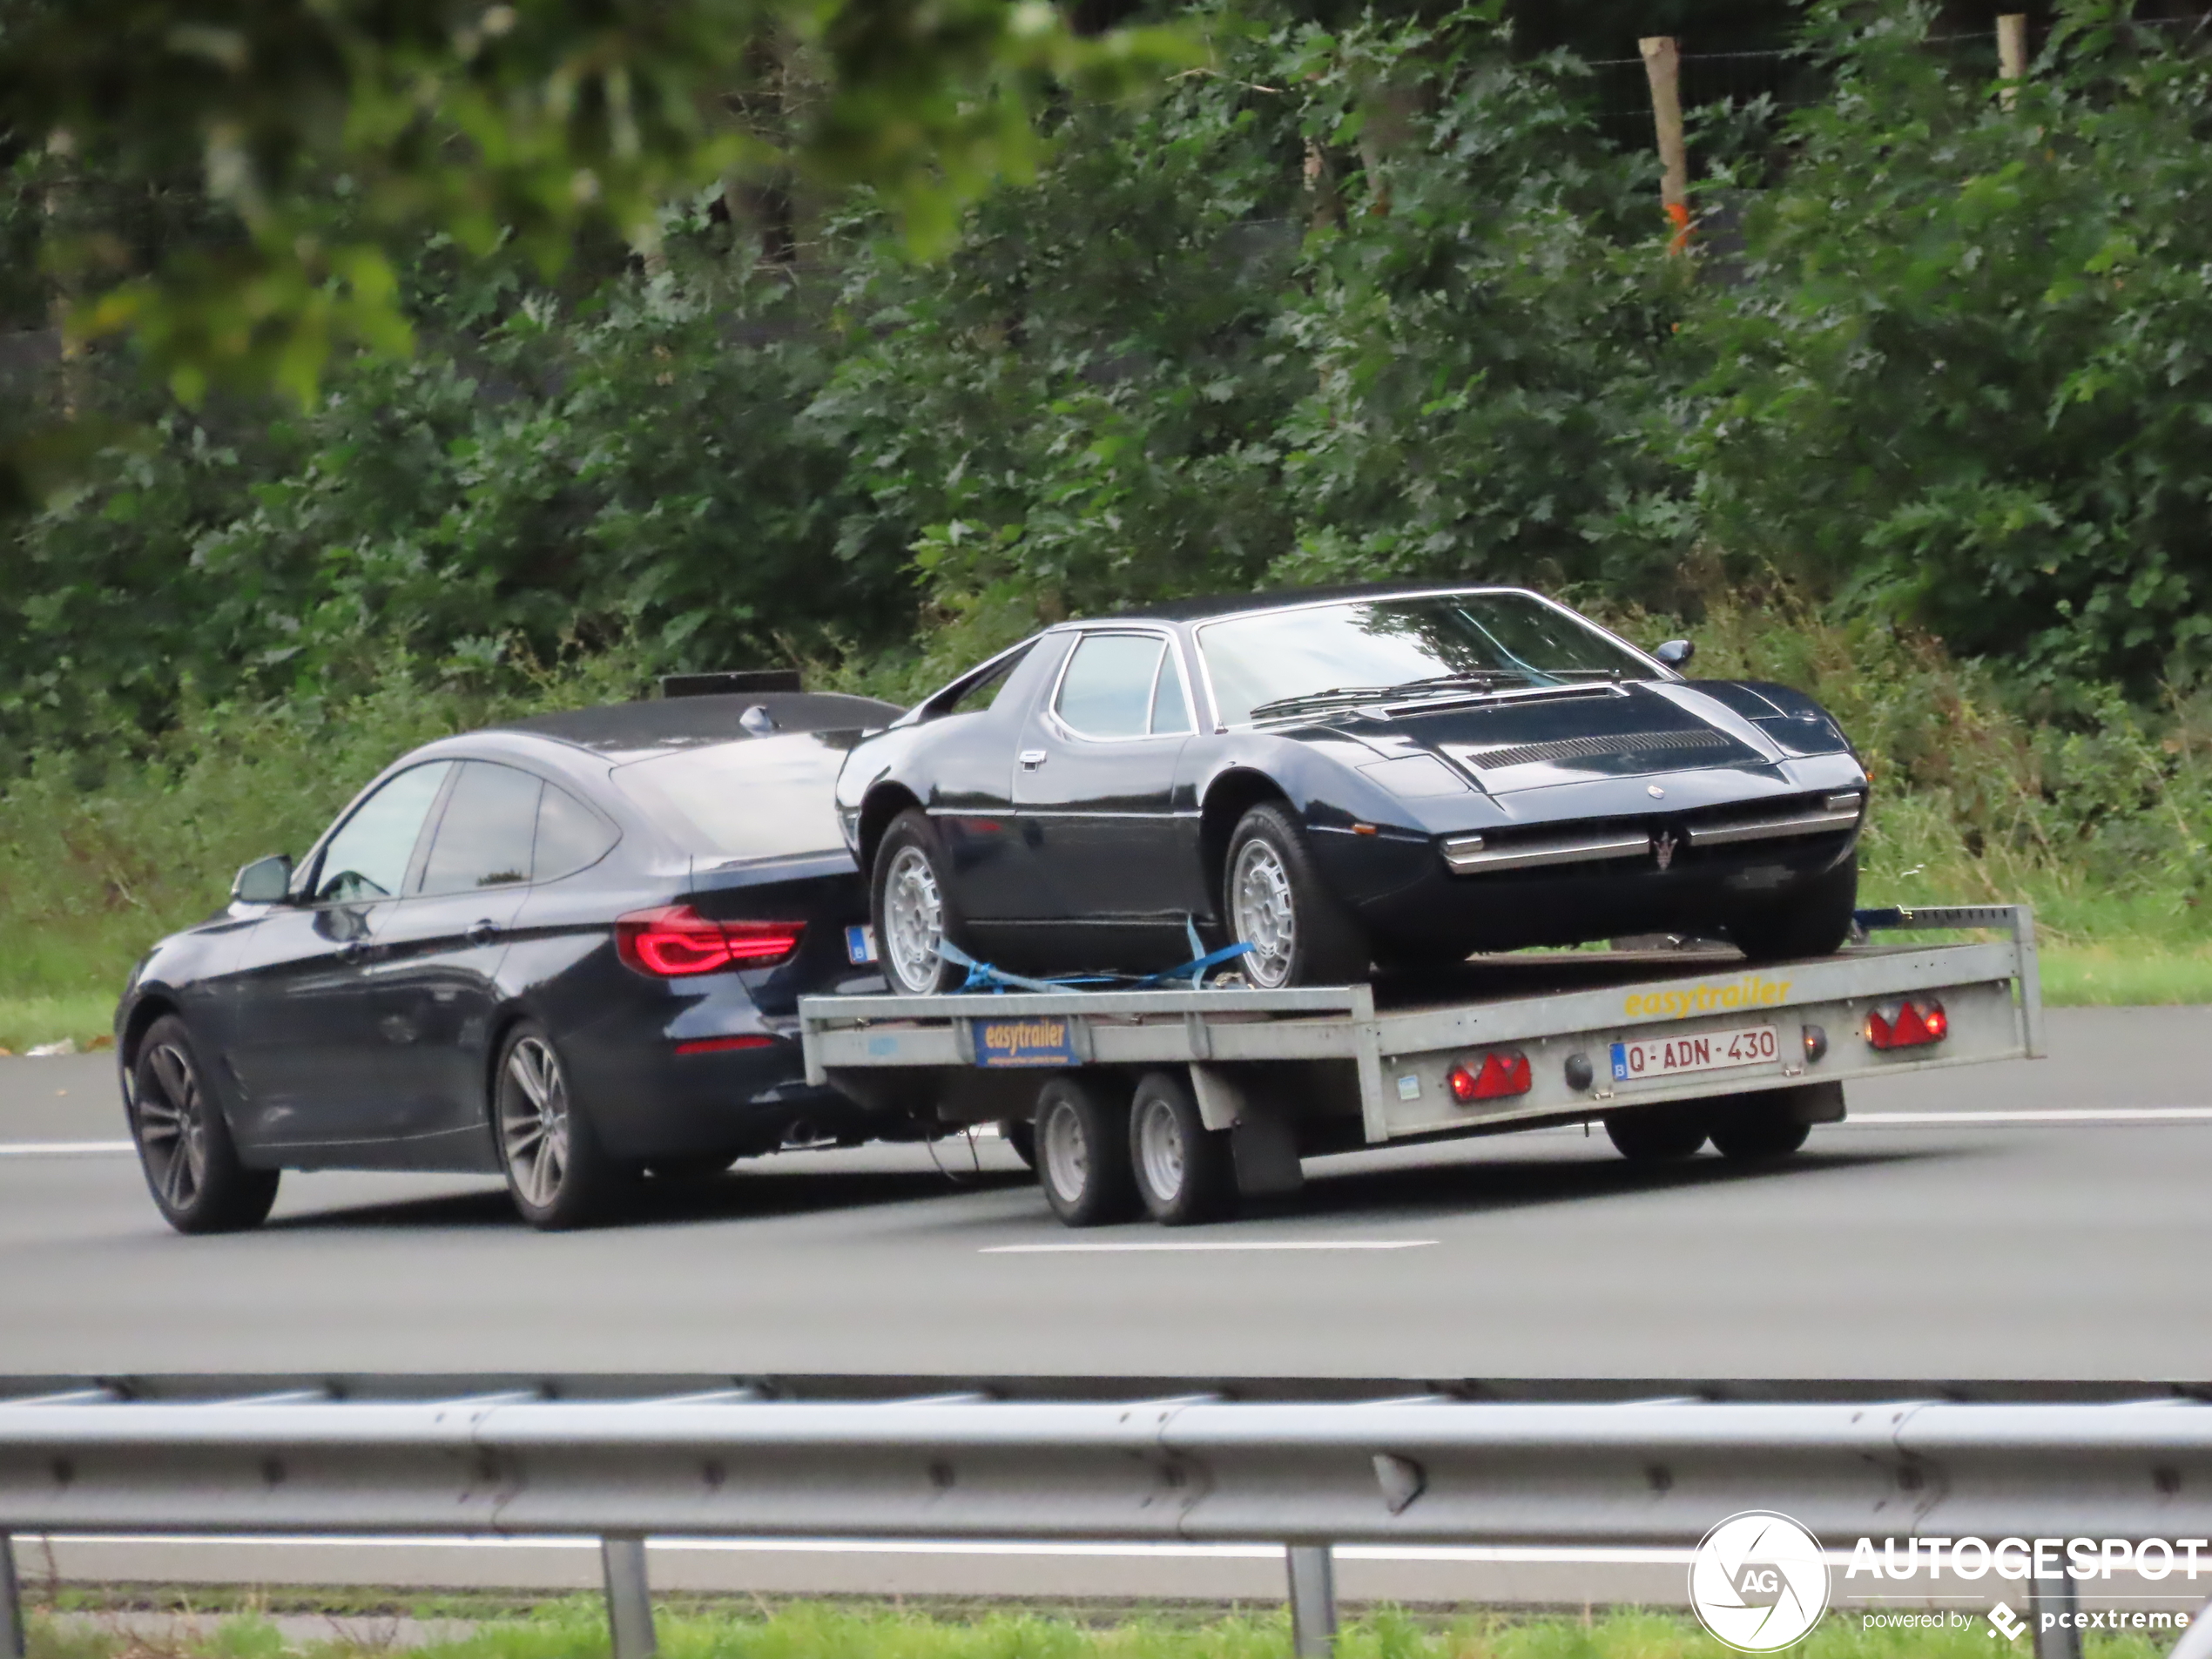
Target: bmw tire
[(557, 1174), (1083, 1153), (1186, 1172), (910, 901), (191, 1165), (1274, 901)]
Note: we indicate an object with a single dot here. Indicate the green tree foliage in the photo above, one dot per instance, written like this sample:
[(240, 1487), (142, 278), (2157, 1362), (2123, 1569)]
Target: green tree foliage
[(329, 131), (1968, 380)]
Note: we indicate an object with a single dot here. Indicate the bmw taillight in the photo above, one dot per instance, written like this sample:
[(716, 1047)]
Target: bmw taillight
[(675, 940), (1908, 1024), (1502, 1072)]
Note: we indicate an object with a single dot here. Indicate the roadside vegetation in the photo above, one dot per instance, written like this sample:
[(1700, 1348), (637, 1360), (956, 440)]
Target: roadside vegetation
[(804, 1631), (1359, 298)]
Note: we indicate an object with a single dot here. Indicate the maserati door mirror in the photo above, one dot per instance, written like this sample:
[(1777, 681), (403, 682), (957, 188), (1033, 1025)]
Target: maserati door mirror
[(1675, 653)]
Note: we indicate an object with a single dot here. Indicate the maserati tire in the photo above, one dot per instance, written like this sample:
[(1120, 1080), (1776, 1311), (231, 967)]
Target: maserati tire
[(911, 902), (1274, 902)]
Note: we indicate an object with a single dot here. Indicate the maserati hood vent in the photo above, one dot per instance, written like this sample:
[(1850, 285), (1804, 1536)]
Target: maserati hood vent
[(1657, 744)]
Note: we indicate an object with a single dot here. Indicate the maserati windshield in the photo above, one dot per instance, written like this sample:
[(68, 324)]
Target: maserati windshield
[(1286, 661)]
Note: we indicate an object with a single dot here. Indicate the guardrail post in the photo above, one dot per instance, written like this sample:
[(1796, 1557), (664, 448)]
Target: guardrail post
[(11, 1640), (2050, 1601), (1314, 1600), (630, 1596)]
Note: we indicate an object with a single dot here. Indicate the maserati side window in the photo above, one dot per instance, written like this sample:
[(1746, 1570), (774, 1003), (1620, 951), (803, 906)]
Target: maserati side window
[(367, 857), (484, 835), (1107, 691), (1170, 715), (985, 691)]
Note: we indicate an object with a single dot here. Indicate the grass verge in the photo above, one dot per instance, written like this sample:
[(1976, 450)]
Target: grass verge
[(808, 1631), (83, 1017)]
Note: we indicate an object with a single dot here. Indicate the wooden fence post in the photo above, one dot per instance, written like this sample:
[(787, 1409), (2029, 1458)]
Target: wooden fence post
[(2011, 56), (1663, 66)]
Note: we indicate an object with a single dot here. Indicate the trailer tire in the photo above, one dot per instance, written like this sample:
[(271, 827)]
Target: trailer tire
[(1021, 1134), (1655, 1134), (1186, 1172), (1081, 1140), (1759, 1129)]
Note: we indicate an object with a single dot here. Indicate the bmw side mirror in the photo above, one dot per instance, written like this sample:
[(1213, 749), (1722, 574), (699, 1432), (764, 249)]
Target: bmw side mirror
[(1675, 653), (264, 881)]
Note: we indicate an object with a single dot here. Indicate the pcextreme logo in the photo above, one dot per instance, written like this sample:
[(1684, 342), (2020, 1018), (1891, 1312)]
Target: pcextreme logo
[(1758, 1582)]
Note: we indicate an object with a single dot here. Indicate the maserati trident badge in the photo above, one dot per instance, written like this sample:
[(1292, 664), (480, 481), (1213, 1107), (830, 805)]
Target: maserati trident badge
[(1662, 847)]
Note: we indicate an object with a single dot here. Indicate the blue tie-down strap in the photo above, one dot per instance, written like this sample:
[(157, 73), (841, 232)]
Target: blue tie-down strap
[(983, 977)]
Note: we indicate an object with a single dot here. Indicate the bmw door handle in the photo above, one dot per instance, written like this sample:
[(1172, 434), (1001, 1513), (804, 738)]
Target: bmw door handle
[(1032, 758), (482, 931)]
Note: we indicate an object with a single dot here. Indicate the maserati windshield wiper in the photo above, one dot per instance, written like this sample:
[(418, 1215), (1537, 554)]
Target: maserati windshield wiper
[(1474, 677), (1319, 699)]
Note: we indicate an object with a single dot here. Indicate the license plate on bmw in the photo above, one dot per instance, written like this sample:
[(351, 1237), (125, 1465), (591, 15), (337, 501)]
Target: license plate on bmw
[(1673, 1057)]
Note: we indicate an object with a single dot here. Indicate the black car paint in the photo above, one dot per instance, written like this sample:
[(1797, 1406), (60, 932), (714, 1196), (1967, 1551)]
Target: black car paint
[(363, 1036), (1102, 869)]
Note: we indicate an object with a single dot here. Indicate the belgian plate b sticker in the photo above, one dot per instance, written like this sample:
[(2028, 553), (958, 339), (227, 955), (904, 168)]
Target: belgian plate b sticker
[(1033, 1042)]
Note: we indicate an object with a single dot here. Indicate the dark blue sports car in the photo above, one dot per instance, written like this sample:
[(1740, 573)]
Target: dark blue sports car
[(1342, 781)]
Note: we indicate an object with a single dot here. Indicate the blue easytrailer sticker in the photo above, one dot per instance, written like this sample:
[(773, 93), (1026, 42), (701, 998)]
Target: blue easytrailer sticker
[(1024, 1043)]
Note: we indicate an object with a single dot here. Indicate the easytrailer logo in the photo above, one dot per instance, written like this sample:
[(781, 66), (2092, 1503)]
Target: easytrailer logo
[(1758, 1582)]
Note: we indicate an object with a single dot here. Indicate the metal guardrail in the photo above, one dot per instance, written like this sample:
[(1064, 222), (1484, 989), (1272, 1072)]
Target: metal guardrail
[(1420, 1468)]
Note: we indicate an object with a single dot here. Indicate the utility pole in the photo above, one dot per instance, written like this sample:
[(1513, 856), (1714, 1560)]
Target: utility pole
[(1663, 67)]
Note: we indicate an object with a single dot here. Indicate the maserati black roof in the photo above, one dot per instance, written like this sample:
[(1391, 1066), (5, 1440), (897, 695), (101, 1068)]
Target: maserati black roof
[(688, 722)]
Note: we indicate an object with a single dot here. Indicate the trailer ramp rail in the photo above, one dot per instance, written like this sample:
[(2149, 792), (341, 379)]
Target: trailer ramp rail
[(1433, 1469)]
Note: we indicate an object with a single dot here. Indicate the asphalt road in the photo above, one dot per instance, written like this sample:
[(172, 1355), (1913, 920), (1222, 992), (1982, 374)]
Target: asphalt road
[(1996, 1248)]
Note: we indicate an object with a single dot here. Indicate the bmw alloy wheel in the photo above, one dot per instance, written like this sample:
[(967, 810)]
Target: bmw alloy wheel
[(173, 1126), (533, 1121), (914, 918), (1264, 913)]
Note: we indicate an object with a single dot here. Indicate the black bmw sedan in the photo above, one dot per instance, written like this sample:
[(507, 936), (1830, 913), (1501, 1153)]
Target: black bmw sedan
[(568, 950), (1342, 781)]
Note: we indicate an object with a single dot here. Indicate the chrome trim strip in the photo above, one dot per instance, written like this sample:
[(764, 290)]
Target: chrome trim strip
[(1765, 829), (1468, 856)]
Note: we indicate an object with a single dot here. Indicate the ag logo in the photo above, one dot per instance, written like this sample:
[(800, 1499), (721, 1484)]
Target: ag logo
[(1758, 1582)]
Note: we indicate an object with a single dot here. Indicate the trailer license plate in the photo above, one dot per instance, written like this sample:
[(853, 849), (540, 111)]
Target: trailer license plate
[(1750, 1045)]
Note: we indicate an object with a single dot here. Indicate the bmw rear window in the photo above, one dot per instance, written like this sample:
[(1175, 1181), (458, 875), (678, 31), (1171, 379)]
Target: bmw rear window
[(764, 798)]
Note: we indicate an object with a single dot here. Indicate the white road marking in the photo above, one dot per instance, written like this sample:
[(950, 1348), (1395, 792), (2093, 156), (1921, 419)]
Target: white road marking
[(63, 1148), (1206, 1243), (2053, 1115)]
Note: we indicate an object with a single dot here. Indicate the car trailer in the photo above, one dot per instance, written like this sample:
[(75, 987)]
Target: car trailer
[(1179, 1101)]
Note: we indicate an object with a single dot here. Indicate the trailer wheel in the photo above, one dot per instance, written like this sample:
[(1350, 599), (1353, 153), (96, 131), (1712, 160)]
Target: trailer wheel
[(1758, 1129), (1081, 1140), (1186, 1172), (1021, 1134), (1655, 1134)]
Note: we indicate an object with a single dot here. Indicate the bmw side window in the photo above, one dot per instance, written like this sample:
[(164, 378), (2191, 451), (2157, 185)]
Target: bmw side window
[(571, 836), (368, 857), (1107, 691), (484, 834), (1171, 714)]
